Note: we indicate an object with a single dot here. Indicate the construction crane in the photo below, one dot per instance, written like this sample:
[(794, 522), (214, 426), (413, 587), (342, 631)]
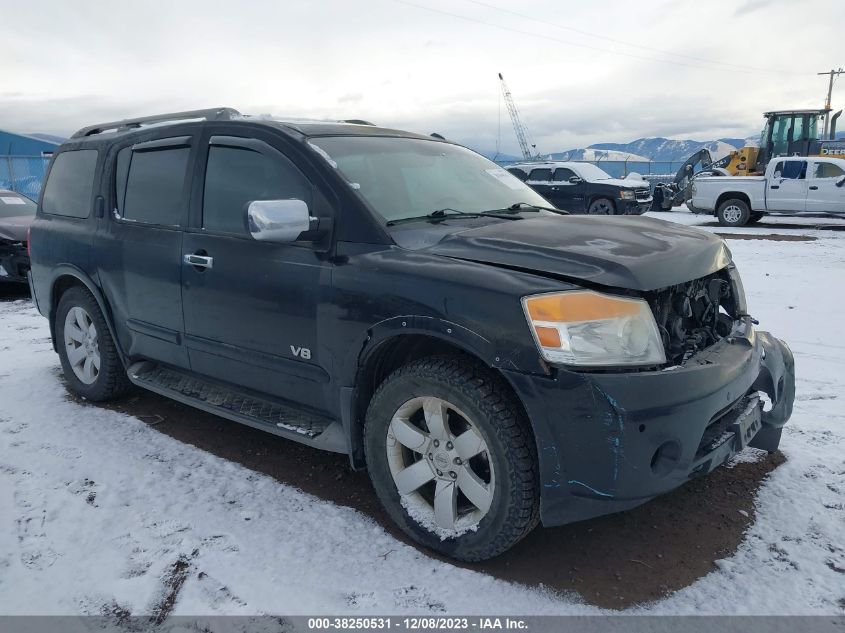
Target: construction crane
[(521, 131)]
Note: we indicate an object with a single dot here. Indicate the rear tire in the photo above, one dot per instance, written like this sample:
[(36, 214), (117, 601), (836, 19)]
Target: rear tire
[(733, 212), (474, 404), (602, 206), (91, 364)]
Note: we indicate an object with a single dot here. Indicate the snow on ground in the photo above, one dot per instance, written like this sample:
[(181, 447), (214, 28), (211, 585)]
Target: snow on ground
[(99, 513)]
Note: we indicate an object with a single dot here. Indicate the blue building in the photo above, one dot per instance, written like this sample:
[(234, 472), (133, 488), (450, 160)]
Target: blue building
[(23, 161)]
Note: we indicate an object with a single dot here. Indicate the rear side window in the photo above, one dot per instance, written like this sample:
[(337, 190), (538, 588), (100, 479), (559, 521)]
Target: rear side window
[(237, 176), (792, 169), (155, 185), (828, 170), (541, 175), (70, 184), (562, 174)]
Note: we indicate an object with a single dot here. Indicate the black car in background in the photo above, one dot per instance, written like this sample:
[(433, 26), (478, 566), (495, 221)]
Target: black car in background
[(16, 214), (585, 188)]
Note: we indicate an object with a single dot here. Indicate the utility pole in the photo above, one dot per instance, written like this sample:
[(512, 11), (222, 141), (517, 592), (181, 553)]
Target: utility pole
[(832, 73)]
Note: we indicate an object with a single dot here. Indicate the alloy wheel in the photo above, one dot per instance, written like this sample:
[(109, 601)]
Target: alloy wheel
[(440, 465), (732, 213), (82, 345)]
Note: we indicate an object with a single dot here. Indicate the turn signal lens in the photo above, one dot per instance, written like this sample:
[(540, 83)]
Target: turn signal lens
[(591, 329)]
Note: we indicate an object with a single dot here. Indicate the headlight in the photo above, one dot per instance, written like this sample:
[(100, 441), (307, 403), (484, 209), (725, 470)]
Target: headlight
[(590, 329), (625, 194), (738, 291)]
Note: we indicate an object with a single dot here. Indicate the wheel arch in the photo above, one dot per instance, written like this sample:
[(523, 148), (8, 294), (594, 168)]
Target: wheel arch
[(66, 277), (732, 195), (382, 355), (601, 196)]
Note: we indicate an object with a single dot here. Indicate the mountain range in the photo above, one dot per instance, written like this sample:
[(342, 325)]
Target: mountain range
[(657, 149)]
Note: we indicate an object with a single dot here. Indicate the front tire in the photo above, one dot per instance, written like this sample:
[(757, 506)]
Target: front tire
[(733, 212), (88, 354), (601, 206), (452, 458)]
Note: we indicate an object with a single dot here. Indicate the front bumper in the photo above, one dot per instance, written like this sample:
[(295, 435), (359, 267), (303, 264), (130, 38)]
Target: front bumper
[(14, 263), (612, 441), (635, 207)]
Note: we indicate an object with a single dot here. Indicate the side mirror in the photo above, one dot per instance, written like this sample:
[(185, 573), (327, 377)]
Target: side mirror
[(576, 180), (278, 220), (840, 182)]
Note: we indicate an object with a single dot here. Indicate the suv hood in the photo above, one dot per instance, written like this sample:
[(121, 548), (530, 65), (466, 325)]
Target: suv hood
[(621, 251), (619, 182)]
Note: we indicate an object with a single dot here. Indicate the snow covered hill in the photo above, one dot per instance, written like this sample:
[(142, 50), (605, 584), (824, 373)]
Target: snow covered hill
[(664, 149), (591, 153)]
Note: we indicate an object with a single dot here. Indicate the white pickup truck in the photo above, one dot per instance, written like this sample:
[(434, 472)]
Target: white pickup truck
[(792, 185)]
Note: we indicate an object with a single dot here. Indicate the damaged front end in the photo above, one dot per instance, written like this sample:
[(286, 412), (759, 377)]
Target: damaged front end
[(617, 438), (14, 261), (694, 315)]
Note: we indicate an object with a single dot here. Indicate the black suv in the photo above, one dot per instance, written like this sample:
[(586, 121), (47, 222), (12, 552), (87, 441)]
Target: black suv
[(400, 299), (585, 188)]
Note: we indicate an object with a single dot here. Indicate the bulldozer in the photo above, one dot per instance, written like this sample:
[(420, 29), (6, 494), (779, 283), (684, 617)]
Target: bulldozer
[(785, 133)]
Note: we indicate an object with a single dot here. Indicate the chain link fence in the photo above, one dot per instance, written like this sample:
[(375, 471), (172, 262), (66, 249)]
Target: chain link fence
[(23, 174)]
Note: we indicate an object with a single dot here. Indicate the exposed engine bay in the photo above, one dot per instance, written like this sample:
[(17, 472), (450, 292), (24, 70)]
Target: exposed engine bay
[(694, 315)]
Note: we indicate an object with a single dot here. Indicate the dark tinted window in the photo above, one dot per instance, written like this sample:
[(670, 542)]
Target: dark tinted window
[(236, 176), (540, 174), (71, 183), (155, 186), (518, 173), (795, 169), (562, 174)]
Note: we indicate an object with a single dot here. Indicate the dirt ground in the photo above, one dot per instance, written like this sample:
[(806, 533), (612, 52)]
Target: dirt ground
[(614, 561)]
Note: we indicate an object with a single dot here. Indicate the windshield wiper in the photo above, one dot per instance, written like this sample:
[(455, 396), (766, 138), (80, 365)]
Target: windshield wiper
[(435, 216), (518, 206)]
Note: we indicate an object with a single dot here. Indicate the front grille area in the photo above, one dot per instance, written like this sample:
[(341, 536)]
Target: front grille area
[(717, 432), (642, 194), (694, 315)]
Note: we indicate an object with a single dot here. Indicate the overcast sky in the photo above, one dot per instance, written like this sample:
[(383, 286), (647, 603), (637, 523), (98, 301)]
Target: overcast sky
[(580, 71)]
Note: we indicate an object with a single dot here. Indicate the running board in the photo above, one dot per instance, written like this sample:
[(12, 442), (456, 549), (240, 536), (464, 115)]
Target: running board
[(240, 406)]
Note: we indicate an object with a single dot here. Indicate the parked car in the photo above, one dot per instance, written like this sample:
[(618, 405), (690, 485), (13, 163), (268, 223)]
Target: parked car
[(402, 300), (789, 186), (585, 188), (16, 214)]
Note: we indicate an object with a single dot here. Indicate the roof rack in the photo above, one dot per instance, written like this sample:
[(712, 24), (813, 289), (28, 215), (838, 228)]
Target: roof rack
[(209, 114)]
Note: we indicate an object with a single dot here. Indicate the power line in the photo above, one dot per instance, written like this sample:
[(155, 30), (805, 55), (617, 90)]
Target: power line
[(617, 41), (575, 44)]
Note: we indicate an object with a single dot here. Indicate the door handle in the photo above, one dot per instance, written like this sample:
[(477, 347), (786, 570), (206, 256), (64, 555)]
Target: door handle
[(199, 261), (775, 186), (813, 188)]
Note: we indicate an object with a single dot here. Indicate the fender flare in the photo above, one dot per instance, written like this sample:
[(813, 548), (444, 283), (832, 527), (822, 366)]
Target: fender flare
[(69, 270), (382, 333), (447, 331)]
